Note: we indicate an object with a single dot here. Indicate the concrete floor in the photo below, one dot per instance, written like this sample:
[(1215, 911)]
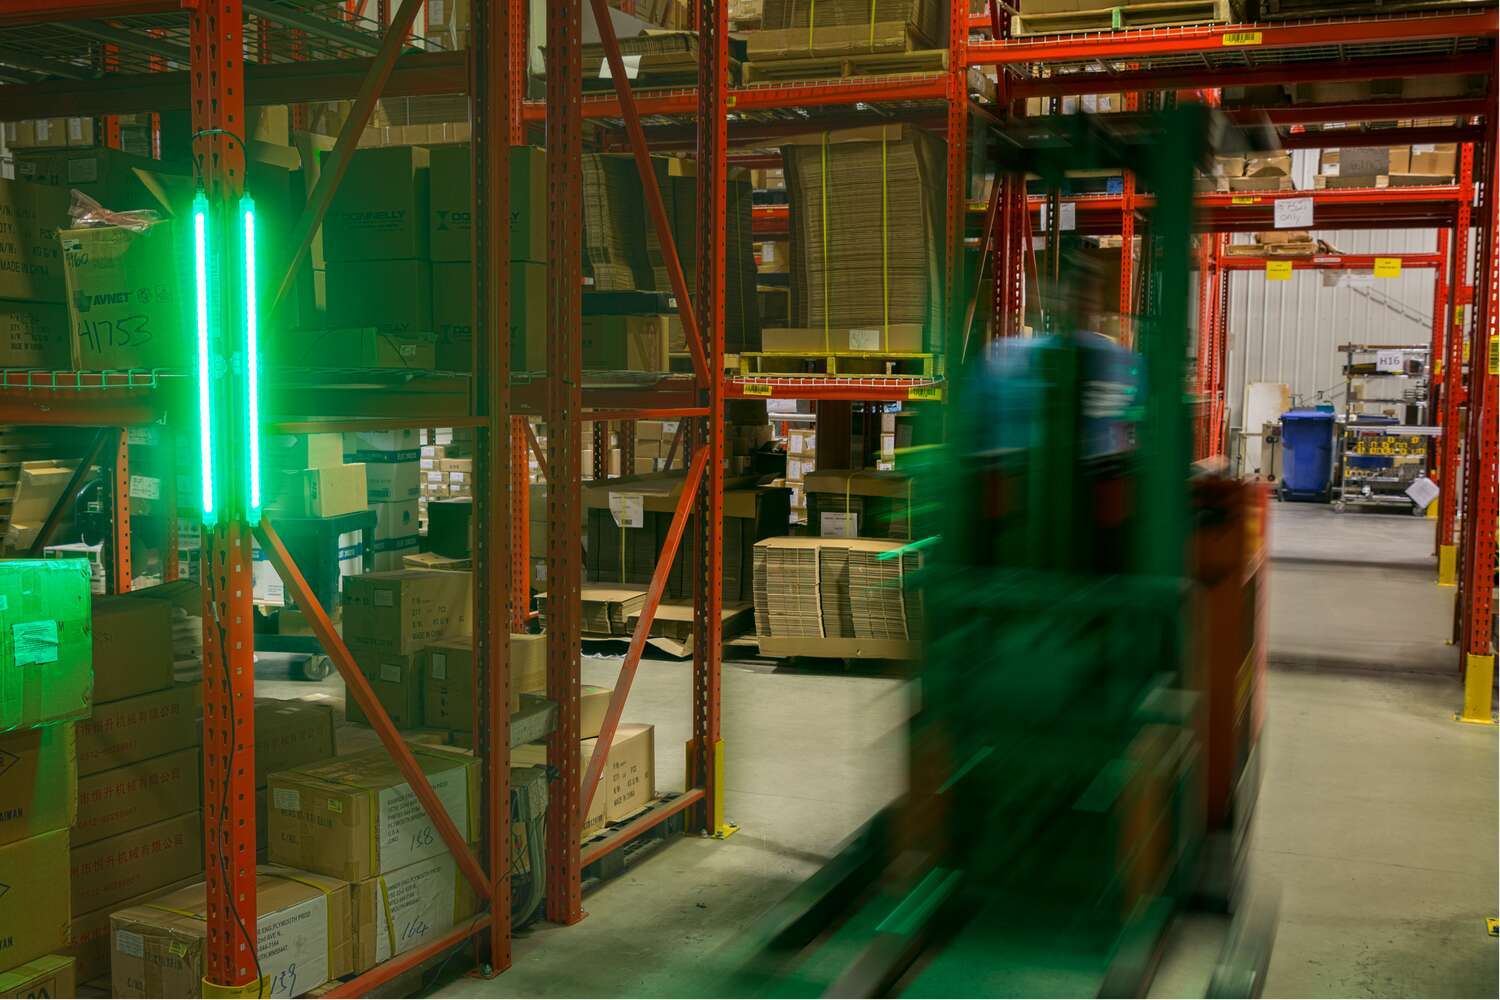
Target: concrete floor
[(1376, 823)]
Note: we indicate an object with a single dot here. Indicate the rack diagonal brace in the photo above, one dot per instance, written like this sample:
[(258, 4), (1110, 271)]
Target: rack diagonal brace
[(70, 492), (364, 696), (642, 629)]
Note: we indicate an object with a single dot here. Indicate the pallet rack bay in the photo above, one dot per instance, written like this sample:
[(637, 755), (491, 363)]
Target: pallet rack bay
[(177, 55)]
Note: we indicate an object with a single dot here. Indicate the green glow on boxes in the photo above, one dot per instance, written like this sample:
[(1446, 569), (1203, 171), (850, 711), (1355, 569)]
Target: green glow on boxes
[(205, 411), (252, 360)]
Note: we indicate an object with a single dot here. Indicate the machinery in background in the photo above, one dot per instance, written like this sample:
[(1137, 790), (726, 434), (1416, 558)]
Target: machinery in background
[(1083, 765), (1383, 457)]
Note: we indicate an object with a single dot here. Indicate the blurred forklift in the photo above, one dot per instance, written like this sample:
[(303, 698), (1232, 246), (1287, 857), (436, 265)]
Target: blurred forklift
[(1083, 764)]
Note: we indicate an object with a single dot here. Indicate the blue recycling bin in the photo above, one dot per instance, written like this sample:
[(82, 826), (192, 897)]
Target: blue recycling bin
[(1306, 455)]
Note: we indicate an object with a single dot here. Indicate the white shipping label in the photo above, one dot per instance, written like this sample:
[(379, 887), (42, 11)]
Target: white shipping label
[(266, 585), (292, 945), (404, 834), (43, 128), (351, 555), (439, 666), (141, 435), (145, 487), (75, 129), (385, 599), (415, 906), (1294, 213), (864, 340), (34, 642), (631, 64), (836, 524), (1067, 216), (1389, 361), (628, 509), (288, 799), (390, 672), (1423, 147)]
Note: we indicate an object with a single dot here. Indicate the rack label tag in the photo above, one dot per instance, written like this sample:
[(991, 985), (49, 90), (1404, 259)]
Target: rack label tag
[(1387, 267), (1244, 199), (1278, 270), (1242, 38), (756, 389), (1494, 354), (930, 392)]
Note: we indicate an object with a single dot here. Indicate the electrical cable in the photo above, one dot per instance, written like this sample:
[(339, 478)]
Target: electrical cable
[(260, 979)]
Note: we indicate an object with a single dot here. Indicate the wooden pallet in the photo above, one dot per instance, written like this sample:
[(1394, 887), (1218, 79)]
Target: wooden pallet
[(1146, 15), (862, 363), (920, 62)]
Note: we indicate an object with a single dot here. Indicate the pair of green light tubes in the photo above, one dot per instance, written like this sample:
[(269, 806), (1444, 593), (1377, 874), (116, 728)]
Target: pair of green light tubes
[(206, 278)]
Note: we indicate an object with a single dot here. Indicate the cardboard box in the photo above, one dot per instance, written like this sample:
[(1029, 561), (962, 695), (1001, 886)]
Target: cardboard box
[(391, 553), (431, 560), (31, 262), (118, 180), (304, 937), (355, 817), (132, 647), (360, 347), (34, 909), (453, 315), (403, 610), (396, 679), (628, 783), (1434, 158), (38, 489), (111, 803), (535, 755), (46, 659), (391, 296), (898, 338), (325, 492), (303, 451), (116, 868), (48, 976), (395, 519), (593, 702), (380, 210), (33, 334), (123, 306), (90, 938), (38, 781), (407, 908), (132, 729), (290, 733), (627, 343), (452, 207), (1268, 165), (392, 463), (448, 672)]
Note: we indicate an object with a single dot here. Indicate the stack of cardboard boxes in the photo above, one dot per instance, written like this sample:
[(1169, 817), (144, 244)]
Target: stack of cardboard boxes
[(392, 461), (451, 226), (1259, 172), (33, 319), (389, 618), (139, 826), (46, 664), (801, 458), (1387, 166), (446, 467)]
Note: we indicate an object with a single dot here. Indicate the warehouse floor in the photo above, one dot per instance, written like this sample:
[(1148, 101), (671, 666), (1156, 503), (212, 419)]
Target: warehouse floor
[(1376, 823)]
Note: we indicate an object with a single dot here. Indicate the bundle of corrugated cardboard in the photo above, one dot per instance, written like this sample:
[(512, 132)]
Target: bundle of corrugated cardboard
[(652, 59), (866, 227), (834, 588), (1387, 166), (614, 255), (793, 28)]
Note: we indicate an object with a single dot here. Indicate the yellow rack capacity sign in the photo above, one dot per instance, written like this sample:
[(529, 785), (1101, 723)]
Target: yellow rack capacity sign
[(756, 389), (1244, 199), (925, 392), (1242, 38), (1278, 270), (1387, 267)]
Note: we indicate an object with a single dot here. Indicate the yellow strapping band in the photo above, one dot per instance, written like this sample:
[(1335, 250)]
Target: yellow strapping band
[(812, 16), (189, 914), (826, 273), (390, 917), (871, 45), (622, 552)]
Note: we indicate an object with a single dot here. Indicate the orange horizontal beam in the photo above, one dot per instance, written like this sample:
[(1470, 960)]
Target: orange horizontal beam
[(761, 97)]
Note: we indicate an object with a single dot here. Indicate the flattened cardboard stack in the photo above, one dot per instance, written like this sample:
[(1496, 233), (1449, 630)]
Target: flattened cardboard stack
[(793, 28), (662, 59), (835, 597), (866, 229), (614, 254)]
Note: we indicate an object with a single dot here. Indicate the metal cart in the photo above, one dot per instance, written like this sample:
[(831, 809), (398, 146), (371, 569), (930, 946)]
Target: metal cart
[(1380, 455)]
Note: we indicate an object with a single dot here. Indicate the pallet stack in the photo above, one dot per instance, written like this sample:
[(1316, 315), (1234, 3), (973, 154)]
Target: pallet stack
[(836, 597), (811, 39)]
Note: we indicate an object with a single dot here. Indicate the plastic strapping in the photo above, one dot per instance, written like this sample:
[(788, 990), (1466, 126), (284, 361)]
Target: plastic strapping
[(871, 45), (390, 917)]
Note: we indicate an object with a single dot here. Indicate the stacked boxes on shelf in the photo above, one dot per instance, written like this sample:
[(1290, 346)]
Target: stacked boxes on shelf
[(34, 329), (389, 617), (46, 663), (1387, 166), (801, 459), (792, 29), (1258, 172), (627, 784), (312, 477), (446, 468), (392, 461), (375, 240), (355, 820), (864, 503), (450, 225), (653, 441), (139, 827)]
